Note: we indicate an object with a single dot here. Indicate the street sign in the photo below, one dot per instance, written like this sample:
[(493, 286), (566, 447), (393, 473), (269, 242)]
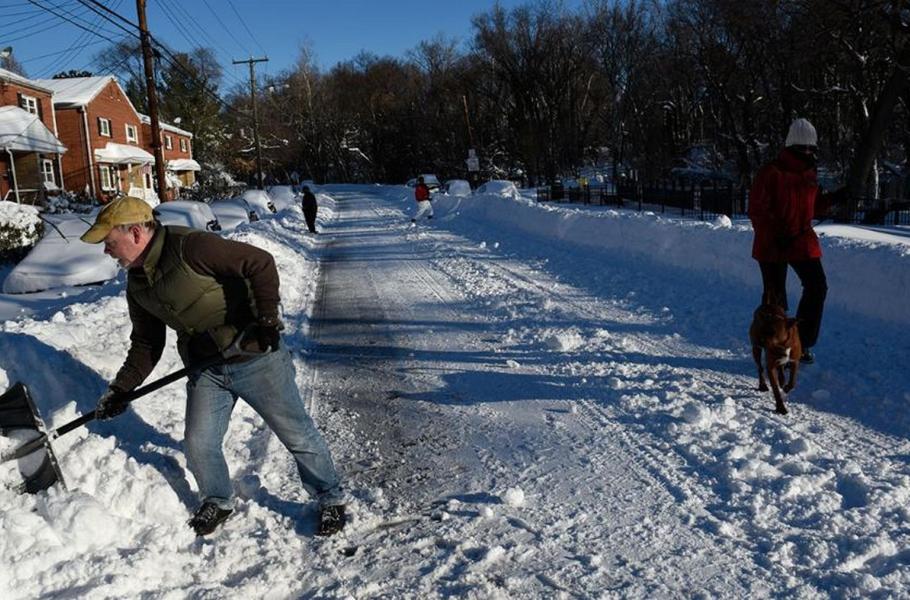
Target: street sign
[(473, 163)]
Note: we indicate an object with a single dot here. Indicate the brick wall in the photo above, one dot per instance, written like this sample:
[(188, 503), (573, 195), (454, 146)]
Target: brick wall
[(112, 104), (9, 92), (75, 161), (174, 152), (4, 175)]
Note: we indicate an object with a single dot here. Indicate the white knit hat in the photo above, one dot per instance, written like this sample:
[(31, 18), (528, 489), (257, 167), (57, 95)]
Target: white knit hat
[(801, 133)]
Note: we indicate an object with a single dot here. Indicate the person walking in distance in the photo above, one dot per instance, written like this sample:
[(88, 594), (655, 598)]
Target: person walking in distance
[(212, 292), (422, 196), (783, 200), (310, 207)]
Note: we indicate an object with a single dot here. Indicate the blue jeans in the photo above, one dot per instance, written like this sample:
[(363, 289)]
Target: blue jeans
[(267, 384)]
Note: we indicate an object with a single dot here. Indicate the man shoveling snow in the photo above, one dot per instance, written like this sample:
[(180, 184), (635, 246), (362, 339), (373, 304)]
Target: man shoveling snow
[(210, 291)]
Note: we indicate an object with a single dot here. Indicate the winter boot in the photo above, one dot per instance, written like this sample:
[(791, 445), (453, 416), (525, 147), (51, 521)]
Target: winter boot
[(208, 517), (331, 519)]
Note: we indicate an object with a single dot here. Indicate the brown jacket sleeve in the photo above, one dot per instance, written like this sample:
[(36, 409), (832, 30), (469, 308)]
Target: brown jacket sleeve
[(146, 345), (210, 254)]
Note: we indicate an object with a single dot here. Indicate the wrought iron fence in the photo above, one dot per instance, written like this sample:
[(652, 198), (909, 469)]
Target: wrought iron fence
[(708, 200), (704, 200)]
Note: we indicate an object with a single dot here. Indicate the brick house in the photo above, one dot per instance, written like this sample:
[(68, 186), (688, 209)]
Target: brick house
[(29, 148), (177, 147), (102, 132)]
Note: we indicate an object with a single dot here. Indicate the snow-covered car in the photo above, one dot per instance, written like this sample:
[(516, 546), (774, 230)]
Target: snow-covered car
[(457, 187), (283, 196), (187, 213), (232, 212), (260, 201), (498, 187), (428, 178), (61, 259)]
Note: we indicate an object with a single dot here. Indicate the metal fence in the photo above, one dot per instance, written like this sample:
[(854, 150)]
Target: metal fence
[(708, 200), (704, 200)]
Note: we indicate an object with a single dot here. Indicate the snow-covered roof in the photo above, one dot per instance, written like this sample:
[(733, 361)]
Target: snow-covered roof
[(76, 91), (122, 153), (20, 80), (183, 164), (22, 131), (165, 126)]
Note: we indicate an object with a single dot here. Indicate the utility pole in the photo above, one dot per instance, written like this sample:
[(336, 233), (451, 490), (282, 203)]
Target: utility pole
[(251, 61), (152, 93)]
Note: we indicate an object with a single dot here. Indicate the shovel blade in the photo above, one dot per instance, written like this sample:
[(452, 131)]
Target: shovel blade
[(21, 423)]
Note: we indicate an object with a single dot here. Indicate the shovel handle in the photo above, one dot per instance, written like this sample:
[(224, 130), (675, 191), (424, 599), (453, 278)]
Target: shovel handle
[(232, 351), (138, 393)]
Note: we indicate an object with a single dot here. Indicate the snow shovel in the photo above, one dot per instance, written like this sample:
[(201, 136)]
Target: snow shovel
[(20, 420)]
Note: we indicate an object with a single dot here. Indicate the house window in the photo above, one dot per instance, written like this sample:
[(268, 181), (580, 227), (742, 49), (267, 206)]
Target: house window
[(107, 177), (104, 127), (47, 172), (29, 103), (182, 145), (168, 142), (131, 134)]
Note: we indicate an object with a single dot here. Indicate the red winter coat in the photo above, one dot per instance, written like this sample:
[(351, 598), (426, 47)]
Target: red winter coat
[(421, 192), (782, 204)]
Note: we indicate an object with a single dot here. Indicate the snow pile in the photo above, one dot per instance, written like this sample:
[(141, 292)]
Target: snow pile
[(20, 225), (260, 201), (127, 480), (720, 248), (283, 196)]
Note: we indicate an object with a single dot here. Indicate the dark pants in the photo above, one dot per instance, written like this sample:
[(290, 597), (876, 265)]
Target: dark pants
[(811, 303), (310, 216)]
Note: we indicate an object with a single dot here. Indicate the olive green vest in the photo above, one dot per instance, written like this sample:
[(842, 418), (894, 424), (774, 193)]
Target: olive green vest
[(188, 302)]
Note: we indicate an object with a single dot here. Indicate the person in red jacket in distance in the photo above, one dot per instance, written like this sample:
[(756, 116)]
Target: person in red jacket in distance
[(783, 200), (422, 196)]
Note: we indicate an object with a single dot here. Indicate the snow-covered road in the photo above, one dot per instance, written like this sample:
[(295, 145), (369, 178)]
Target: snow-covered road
[(416, 349), (515, 416)]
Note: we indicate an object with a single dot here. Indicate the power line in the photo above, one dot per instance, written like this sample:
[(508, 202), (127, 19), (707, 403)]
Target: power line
[(108, 19), (31, 30), (243, 22), (171, 13), (166, 54), (65, 18), (58, 52), (112, 12), (79, 45), (228, 31), (175, 7)]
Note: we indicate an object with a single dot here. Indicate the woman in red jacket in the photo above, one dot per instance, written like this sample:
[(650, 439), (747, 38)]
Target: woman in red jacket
[(782, 203)]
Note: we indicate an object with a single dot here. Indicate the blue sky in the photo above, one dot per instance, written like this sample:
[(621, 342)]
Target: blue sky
[(335, 30)]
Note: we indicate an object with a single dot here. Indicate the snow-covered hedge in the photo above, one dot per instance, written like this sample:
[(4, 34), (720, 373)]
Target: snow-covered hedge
[(20, 228)]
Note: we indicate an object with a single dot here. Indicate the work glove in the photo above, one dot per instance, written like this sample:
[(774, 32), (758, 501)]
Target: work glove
[(110, 404), (268, 334)]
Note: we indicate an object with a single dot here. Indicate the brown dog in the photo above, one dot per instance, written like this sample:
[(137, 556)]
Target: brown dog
[(778, 336)]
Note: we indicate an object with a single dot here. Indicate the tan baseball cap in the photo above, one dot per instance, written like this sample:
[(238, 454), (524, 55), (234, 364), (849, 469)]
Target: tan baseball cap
[(122, 211)]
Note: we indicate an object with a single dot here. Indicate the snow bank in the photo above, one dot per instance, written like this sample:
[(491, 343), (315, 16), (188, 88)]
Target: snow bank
[(720, 248)]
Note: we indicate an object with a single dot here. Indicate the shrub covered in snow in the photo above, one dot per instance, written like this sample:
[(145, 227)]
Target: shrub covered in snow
[(20, 228), (67, 202)]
